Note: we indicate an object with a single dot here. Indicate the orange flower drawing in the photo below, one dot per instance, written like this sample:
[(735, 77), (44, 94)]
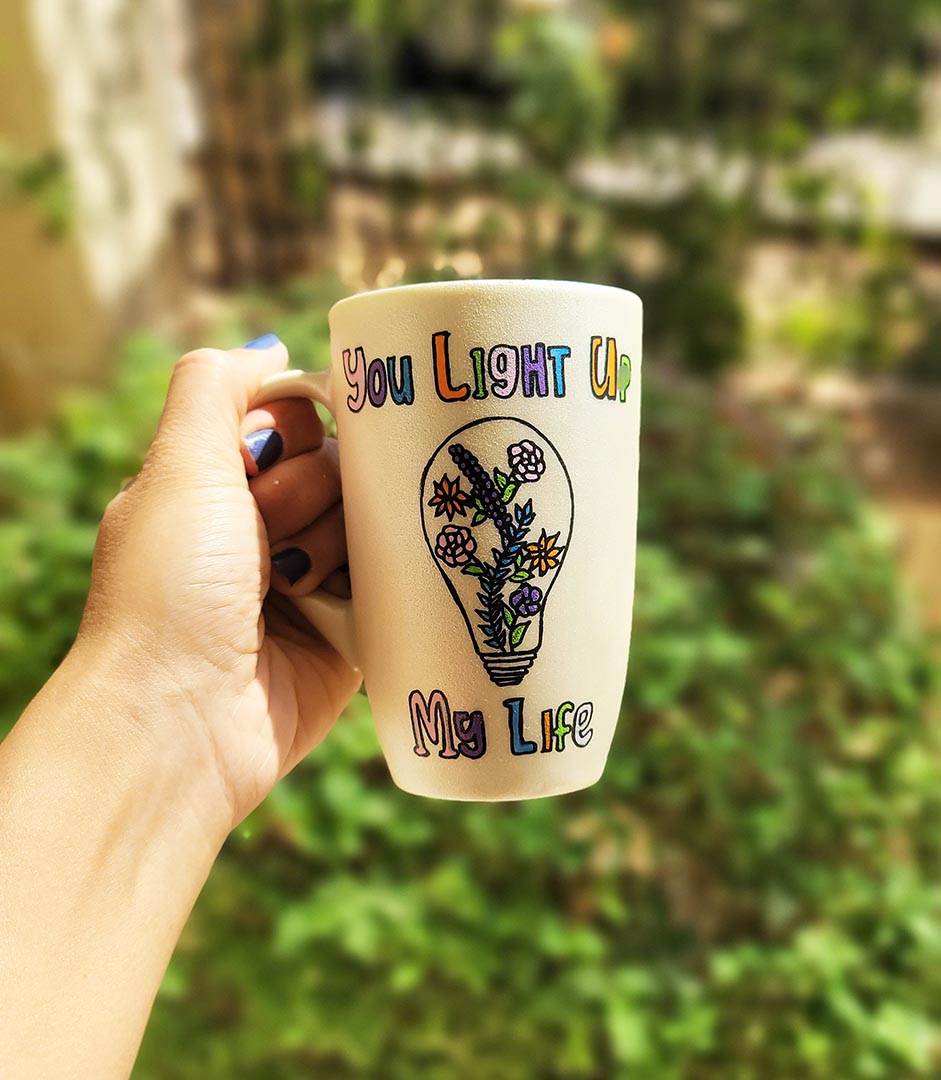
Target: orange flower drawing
[(545, 554), (448, 498)]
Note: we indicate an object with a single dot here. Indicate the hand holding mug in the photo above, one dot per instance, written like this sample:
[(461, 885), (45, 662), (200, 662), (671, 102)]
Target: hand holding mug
[(182, 568)]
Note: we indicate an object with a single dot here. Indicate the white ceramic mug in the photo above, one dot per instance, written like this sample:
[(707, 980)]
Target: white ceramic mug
[(488, 436)]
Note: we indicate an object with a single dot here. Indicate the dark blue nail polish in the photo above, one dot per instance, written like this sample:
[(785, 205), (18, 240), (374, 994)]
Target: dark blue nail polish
[(292, 563), (263, 342), (265, 446)]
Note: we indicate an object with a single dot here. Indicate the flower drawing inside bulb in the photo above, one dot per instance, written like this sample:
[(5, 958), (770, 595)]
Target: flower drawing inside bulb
[(527, 461), (455, 546), (526, 600), (497, 513)]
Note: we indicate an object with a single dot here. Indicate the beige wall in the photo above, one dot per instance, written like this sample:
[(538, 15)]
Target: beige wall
[(51, 324), (104, 83)]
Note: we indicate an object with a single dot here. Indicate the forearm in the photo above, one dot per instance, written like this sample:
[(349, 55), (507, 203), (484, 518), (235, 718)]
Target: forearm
[(102, 855)]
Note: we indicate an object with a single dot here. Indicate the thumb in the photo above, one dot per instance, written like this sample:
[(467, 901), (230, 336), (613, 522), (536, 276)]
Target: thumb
[(210, 392)]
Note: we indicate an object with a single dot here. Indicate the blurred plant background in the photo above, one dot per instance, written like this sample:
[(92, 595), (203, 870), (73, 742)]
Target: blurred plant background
[(753, 892)]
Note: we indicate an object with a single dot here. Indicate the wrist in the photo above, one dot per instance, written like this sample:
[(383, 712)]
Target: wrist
[(114, 718)]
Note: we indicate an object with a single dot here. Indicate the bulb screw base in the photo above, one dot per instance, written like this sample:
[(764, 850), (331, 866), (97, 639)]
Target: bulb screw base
[(508, 669)]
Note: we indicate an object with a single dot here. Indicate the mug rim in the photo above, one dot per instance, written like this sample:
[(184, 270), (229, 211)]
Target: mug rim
[(472, 283)]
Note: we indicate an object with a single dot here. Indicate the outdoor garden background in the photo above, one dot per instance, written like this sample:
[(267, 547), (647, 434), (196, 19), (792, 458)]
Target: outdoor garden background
[(753, 892)]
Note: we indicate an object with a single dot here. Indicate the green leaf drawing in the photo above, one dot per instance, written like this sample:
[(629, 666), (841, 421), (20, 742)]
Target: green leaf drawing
[(517, 636), (500, 479), (624, 376), (519, 558), (509, 491), (479, 518), (472, 568), (521, 575), (508, 615)]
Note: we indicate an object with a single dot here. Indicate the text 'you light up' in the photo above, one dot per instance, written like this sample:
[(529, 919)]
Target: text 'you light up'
[(497, 512)]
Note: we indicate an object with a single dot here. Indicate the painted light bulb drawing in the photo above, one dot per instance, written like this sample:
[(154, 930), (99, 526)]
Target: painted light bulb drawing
[(497, 513)]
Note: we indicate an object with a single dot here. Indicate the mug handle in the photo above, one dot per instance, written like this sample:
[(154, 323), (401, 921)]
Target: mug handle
[(331, 615)]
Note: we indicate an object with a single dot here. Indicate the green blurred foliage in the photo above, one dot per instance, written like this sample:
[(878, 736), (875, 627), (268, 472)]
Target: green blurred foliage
[(874, 319), (562, 99), (733, 66), (755, 67), (41, 181), (756, 81), (753, 891)]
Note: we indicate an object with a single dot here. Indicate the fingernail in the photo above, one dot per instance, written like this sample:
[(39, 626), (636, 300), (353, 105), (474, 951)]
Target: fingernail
[(265, 446), (263, 342), (292, 563)]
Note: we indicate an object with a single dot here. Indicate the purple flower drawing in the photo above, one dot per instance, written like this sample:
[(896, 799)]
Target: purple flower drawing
[(527, 461), (526, 600), (455, 545)]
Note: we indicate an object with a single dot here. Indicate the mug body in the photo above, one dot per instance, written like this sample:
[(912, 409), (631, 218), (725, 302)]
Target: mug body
[(488, 435)]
